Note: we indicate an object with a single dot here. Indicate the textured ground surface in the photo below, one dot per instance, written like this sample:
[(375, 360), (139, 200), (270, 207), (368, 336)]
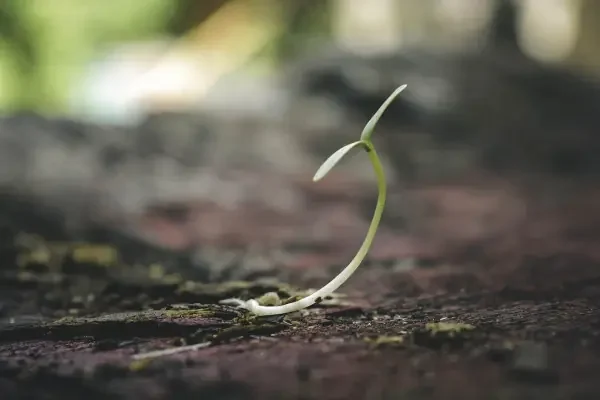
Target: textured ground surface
[(503, 318)]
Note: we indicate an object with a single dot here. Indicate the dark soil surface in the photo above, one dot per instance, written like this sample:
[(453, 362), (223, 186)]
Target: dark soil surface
[(515, 315)]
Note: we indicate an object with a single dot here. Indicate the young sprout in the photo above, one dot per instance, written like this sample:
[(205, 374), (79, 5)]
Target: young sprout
[(259, 309)]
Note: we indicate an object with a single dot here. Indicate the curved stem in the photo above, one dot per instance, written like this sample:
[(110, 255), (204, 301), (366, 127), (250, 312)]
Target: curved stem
[(254, 307)]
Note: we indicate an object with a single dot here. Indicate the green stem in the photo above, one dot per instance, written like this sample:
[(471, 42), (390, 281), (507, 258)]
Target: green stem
[(335, 283)]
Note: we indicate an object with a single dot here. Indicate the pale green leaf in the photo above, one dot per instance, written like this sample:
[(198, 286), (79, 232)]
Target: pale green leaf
[(334, 159), (370, 126)]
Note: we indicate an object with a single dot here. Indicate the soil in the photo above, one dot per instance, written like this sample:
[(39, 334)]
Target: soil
[(500, 318)]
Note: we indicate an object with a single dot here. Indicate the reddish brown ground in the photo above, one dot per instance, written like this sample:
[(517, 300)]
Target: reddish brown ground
[(525, 275)]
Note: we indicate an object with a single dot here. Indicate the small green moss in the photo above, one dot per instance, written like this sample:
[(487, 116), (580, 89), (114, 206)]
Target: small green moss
[(40, 255), (385, 341), (246, 319), (269, 299), (140, 365), (156, 271), (449, 328), (33, 250), (103, 255), (444, 335), (36, 250)]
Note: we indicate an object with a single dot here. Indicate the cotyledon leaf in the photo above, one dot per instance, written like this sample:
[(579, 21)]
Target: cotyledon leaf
[(334, 159), (370, 126)]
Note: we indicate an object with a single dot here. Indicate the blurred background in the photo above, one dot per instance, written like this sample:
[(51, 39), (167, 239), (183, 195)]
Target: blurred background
[(196, 126)]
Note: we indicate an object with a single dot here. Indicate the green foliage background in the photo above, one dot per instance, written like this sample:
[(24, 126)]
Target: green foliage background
[(44, 44)]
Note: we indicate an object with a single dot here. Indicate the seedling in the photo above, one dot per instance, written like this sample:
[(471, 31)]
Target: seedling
[(259, 309)]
